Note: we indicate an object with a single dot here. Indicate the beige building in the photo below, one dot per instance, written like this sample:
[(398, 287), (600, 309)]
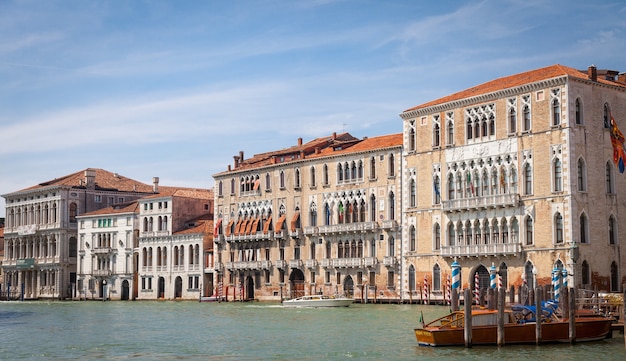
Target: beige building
[(517, 173), (40, 237), (317, 217)]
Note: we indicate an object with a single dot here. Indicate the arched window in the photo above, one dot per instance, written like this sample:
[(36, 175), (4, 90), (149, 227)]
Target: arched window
[(526, 118), (529, 231), (412, 238), (392, 165), (297, 178), (512, 120), (581, 175), (450, 128), (412, 192), (327, 215), (608, 177), (585, 275), (451, 235), (373, 168), (606, 115), (450, 187), (339, 172), (268, 182), (492, 125), (412, 139), (612, 230), (232, 186), (372, 208), (437, 237), (584, 237), (436, 190), (556, 112), (312, 177), (325, 174), (436, 135), (220, 189), (313, 215), (282, 179), (392, 206), (558, 228), (392, 247), (579, 112), (436, 283), (73, 212), (557, 172)]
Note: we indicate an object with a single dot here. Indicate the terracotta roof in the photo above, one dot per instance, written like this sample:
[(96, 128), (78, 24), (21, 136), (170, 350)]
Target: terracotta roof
[(512, 81), (132, 207), (197, 193), (104, 180), (202, 225), (320, 147)]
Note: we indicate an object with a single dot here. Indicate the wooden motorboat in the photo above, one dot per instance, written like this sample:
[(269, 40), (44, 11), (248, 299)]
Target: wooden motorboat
[(519, 328), (318, 301)]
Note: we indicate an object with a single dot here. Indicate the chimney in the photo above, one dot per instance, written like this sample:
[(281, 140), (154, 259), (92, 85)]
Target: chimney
[(236, 161), (592, 72), (299, 141), (90, 178), (229, 167), (241, 155), (334, 136), (155, 184), (317, 150)]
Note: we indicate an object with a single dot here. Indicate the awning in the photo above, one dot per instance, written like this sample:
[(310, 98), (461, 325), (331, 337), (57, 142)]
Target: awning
[(279, 224), (267, 225), (294, 221), (255, 226), (257, 184), (229, 228), (249, 226), (242, 228), (216, 229), (238, 227)]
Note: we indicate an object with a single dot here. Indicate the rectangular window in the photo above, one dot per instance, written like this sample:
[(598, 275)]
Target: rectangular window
[(98, 198), (390, 280), (338, 278)]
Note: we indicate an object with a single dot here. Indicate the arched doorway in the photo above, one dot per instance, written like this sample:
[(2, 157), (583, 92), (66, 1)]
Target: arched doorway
[(296, 280), (161, 289), (348, 286), (178, 287), (249, 288), (483, 279), (125, 290)]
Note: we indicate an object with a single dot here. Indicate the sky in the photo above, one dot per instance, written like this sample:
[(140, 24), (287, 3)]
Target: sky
[(175, 89)]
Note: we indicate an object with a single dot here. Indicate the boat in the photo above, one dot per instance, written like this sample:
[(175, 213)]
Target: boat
[(318, 301), (519, 328), (212, 299)]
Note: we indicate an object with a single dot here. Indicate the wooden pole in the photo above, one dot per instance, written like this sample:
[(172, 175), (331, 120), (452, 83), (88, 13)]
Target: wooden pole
[(467, 330), (501, 301), (512, 295), (572, 316), (538, 315), (491, 298), (623, 317), (454, 300)]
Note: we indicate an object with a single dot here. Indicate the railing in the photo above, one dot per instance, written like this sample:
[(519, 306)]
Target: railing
[(474, 250), (154, 234), (389, 261), (295, 263), (310, 263), (311, 231), (348, 262), (370, 261), (248, 265), (219, 238), (101, 272), (390, 224), (296, 234), (491, 201), (102, 250), (358, 227), (281, 263)]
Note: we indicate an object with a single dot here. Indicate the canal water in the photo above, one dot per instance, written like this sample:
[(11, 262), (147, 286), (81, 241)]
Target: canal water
[(245, 331)]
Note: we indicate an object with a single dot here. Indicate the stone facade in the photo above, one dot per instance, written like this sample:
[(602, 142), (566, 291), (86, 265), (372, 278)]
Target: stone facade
[(518, 174), (319, 217)]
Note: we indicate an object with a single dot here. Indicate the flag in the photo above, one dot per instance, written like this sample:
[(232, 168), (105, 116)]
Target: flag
[(617, 141), (422, 319), (436, 188)]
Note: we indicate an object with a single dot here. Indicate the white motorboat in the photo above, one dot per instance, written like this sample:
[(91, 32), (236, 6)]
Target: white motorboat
[(318, 301)]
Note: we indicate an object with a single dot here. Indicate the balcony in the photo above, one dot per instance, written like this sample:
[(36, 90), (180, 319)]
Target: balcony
[(311, 231), (279, 234), (390, 261), (358, 227), (476, 250), (249, 265), (101, 272), (295, 263), (482, 202), (219, 238), (154, 234), (310, 263), (281, 264), (347, 262), (370, 261), (102, 250), (390, 224), (296, 234)]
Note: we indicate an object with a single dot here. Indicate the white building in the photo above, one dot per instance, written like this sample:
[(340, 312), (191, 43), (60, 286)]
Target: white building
[(107, 238)]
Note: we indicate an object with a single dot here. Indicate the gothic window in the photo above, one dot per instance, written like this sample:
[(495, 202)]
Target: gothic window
[(579, 112), (526, 116), (282, 179), (339, 172), (451, 235), (581, 175), (413, 195), (558, 228), (585, 274), (584, 238), (325, 174), (412, 139), (436, 131), (392, 166), (556, 107), (529, 231), (608, 177), (436, 283), (312, 180), (612, 230), (372, 208), (436, 190), (450, 127), (606, 115), (412, 238), (297, 178), (512, 104), (437, 237), (373, 168)]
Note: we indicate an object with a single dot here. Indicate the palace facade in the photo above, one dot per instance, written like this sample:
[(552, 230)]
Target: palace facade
[(519, 174), (317, 217)]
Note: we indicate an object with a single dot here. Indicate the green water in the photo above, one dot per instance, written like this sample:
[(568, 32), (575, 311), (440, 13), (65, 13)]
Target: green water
[(244, 331)]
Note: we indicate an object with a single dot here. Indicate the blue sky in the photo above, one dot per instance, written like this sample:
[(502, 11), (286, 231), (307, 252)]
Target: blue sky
[(174, 89)]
